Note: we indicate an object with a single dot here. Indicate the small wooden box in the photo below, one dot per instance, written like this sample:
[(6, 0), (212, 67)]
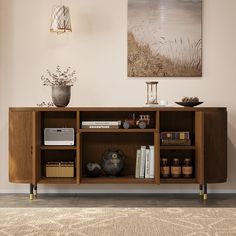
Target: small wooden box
[(60, 169)]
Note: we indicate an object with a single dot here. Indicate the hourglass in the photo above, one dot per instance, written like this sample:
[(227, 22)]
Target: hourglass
[(152, 93)]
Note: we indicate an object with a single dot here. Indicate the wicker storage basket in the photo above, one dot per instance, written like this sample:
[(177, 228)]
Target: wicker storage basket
[(60, 169)]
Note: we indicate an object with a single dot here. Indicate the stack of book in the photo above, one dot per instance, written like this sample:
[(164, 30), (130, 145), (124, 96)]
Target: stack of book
[(101, 124), (145, 163), (175, 138)]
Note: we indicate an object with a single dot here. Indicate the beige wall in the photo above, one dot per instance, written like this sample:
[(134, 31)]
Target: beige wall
[(97, 49)]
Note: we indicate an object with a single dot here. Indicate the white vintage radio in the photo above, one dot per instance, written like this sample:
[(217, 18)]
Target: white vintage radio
[(59, 136)]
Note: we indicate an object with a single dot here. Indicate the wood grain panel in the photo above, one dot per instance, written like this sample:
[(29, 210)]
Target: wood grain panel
[(20, 146), (158, 121), (36, 153), (215, 136), (126, 109), (78, 161), (179, 181), (199, 146), (78, 150), (121, 130), (119, 180), (57, 181), (157, 157)]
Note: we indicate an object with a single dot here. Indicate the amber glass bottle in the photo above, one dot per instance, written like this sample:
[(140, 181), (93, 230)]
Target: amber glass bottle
[(165, 168), (175, 168), (187, 168)]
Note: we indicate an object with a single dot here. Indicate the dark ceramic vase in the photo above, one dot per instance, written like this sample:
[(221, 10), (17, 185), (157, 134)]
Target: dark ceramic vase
[(61, 95), (113, 162)]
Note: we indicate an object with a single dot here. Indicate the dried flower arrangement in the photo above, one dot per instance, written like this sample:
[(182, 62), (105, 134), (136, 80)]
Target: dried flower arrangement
[(46, 104), (60, 78)]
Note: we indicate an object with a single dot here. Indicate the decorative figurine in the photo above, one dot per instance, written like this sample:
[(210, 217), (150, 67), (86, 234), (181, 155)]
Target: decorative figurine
[(113, 162), (93, 169), (143, 122), (130, 122)]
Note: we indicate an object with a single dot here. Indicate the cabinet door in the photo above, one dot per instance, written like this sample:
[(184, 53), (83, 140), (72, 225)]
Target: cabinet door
[(20, 146), (215, 142), (199, 146)]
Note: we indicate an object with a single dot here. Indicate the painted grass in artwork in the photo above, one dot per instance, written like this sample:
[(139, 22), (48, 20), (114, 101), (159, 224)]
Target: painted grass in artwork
[(178, 58)]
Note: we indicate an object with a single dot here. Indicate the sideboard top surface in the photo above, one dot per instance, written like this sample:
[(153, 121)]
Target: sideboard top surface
[(118, 109)]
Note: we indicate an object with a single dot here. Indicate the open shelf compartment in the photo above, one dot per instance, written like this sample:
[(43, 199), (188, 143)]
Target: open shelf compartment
[(117, 116), (50, 155), (93, 146), (176, 121), (181, 154), (58, 119)]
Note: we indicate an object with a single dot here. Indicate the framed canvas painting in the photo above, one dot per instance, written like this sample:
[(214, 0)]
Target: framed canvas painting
[(164, 38)]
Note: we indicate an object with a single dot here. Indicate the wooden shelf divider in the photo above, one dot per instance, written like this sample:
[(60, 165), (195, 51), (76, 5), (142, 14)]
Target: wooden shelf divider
[(58, 147), (177, 147), (57, 181), (100, 130), (116, 180), (178, 181)]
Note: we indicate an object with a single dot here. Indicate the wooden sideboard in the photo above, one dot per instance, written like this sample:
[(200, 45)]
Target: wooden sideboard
[(28, 154)]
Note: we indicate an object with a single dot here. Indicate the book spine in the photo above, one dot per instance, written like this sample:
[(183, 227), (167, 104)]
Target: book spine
[(152, 161), (142, 162), (175, 135), (177, 142), (138, 160), (101, 122), (147, 164), (100, 127)]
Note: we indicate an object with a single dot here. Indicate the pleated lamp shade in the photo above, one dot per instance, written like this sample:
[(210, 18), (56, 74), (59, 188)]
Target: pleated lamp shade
[(60, 20)]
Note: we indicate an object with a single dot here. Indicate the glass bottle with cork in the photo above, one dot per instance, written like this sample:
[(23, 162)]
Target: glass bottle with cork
[(165, 168), (175, 168), (187, 168)]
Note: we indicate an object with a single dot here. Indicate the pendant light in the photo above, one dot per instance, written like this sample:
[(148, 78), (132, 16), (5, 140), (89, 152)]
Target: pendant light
[(60, 19)]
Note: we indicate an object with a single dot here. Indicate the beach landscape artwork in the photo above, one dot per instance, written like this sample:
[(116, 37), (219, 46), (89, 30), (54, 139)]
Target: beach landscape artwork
[(164, 38)]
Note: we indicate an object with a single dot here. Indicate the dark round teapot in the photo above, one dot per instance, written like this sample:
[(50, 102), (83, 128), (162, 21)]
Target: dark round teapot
[(113, 162)]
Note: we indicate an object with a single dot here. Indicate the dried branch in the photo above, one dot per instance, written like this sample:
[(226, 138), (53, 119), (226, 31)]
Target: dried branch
[(59, 78)]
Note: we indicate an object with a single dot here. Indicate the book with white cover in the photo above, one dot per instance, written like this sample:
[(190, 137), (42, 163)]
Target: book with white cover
[(142, 162), (147, 164), (138, 160), (152, 162), (118, 122), (100, 126)]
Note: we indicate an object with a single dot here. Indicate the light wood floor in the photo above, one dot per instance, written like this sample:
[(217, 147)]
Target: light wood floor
[(117, 200)]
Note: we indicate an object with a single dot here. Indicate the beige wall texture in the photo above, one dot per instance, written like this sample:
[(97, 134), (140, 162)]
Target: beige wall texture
[(97, 49)]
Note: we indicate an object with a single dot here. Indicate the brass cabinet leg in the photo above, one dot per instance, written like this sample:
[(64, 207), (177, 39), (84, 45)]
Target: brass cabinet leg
[(205, 192), (31, 192), (200, 190), (35, 191)]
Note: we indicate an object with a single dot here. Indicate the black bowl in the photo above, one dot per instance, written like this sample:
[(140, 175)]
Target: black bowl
[(189, 104)]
